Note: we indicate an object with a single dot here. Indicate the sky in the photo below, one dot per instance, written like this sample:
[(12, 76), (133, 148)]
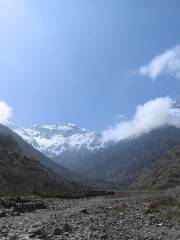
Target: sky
[(87, 62)]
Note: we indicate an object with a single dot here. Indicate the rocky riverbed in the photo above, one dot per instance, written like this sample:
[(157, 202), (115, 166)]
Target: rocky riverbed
[(110, 217)]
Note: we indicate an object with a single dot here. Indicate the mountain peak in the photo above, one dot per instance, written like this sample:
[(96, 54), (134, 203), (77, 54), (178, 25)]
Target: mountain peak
[(53, 139)]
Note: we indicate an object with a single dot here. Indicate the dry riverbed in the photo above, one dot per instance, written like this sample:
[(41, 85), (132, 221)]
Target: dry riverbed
[(109, 217)]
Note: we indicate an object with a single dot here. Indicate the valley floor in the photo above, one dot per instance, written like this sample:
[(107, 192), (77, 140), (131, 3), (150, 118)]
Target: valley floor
[(111, 217)]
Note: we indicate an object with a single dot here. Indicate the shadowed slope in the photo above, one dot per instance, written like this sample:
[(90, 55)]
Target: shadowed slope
[(21, 173)]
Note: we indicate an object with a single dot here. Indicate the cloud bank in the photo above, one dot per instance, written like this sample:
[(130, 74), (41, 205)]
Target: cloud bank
[(165, 63), (153, 114), (5, 112)]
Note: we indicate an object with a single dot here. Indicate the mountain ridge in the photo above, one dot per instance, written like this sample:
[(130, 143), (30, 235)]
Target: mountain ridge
[(22, 173), (123, 162), (116, 164), (54, 139)]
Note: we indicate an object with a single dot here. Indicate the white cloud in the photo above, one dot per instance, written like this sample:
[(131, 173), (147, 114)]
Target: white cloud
[(5, 112), (153, 114), (165, 63)]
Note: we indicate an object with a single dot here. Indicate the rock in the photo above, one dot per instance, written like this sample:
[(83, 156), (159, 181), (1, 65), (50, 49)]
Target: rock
[(16, 214), (40, 232), (104, 236), (28, 206), (37, 224), (57, 231), (84, 210), (66, 234), (2, 213), (24, 237), (22, 204), (13, 236), (67, 227)]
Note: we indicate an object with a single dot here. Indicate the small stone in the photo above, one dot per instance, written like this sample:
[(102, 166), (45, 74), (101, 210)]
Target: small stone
[(67, 227), (84, 210), (17, 213), (13, 236), (66, 234), (40, 232), (2, 213), (57, 231), (25, 237)]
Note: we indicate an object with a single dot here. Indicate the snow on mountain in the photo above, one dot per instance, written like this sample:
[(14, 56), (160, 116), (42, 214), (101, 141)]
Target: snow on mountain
[(52, 140)]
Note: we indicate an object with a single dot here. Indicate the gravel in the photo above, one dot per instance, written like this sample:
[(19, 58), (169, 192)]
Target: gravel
[(89, 219)]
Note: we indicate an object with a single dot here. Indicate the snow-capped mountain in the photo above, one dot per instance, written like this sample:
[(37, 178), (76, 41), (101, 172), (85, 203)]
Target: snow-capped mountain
[(53, 140)]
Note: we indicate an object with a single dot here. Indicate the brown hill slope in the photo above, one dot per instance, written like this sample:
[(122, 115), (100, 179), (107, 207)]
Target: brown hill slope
[(22, 174), (122, 163), (163, 173)]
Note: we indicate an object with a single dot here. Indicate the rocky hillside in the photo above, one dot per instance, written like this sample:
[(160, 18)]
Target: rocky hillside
[(21, 173), (123, 162), (29, 150), (163, 173)]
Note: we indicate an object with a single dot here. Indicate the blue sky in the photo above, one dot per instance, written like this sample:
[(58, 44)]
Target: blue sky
[(77, 60)]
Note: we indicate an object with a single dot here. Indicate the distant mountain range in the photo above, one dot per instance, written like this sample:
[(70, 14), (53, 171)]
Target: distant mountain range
[(64, 143), (67, 143), (53, 140), (127, 163), (135, 162), (131, 162)]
